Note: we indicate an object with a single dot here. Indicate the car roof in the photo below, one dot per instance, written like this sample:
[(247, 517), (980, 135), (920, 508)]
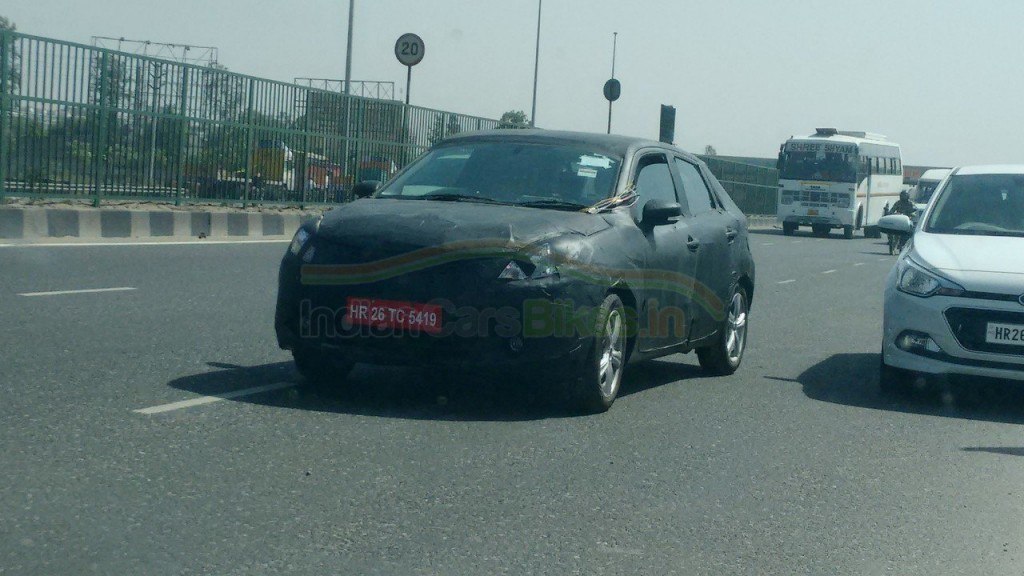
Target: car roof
[(935, 174), (990, 169), (610, 144)]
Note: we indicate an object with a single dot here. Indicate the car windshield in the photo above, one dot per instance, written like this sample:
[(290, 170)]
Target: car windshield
[(982, 204), (819, 165), (542, 175), (923, 192)]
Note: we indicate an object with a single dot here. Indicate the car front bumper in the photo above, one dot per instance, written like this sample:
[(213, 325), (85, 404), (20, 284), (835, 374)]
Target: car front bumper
[(471, 336), (949, 357)]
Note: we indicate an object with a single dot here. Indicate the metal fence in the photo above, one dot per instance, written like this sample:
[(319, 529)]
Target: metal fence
[(754, 188), (77, 121)]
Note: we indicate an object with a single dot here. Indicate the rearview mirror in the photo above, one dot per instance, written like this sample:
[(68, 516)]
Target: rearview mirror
[(895, 224), (660, 212), (365, 188)]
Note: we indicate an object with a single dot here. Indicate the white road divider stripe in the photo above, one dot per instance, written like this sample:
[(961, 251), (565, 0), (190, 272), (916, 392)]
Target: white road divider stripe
[(196, 242), (828, 272), (86, 291), (790, 281), (215, 398)]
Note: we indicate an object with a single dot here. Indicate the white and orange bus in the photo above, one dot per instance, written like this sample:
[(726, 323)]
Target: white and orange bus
[(837, 179)]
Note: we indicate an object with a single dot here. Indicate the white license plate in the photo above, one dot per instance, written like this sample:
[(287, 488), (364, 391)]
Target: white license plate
[(1012, 334)]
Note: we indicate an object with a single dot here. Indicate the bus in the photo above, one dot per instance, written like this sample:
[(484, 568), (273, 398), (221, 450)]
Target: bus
[(837, 179)]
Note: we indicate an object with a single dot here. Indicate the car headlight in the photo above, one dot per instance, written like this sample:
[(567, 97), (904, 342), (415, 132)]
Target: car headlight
[(298, 241), (917, 280), (303, 235), (539, 266)]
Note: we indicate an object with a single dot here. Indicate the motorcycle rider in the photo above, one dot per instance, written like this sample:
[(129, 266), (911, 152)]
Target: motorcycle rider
[(903, 205)]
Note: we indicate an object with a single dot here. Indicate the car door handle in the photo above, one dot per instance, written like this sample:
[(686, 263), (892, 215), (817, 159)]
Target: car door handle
[(692, 244), (731, 233)]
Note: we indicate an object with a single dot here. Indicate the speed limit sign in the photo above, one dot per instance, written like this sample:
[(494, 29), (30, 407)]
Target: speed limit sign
[(409, 49)]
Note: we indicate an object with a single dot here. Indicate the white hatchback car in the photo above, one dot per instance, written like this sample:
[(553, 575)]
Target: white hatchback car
[(954, 302)]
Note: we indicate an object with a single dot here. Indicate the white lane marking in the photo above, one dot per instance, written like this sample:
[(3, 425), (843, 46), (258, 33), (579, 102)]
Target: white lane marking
[(859, 264), (828, 272), (86, 291), (768, 244), (797, 241), (215, 398), (886, 259), (790, 281), (196, 242)]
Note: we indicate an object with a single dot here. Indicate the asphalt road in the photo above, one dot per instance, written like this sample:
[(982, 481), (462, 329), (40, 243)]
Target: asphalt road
[(795, 465)]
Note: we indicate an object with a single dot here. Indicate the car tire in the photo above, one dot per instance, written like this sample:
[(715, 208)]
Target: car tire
[(848, 232), (596, 389), (894, 381), (820, 230), (320, 370), (724, 356), (788, 229)]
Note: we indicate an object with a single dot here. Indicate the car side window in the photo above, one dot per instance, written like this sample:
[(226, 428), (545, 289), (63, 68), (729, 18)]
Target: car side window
[(698, 197), (654, 180)]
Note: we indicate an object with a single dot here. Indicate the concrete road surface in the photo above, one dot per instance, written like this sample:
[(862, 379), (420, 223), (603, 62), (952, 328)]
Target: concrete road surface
[(150, 425)]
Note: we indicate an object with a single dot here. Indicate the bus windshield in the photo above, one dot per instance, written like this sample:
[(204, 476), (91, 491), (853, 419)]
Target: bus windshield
[(818, 165)]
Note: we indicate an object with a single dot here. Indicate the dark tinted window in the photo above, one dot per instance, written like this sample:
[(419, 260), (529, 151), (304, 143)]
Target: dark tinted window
[(698, 197), (654, 180), (982, 204)]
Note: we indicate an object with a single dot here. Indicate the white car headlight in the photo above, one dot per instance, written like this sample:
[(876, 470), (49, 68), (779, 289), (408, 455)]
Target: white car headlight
[(915, 279)]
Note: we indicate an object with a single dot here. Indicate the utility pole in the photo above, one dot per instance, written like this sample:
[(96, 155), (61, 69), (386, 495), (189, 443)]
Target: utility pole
[(536, 66), (157, 75), (348, 50)]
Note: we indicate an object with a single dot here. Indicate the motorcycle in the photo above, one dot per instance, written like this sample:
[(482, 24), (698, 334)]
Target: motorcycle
[(898, 228)]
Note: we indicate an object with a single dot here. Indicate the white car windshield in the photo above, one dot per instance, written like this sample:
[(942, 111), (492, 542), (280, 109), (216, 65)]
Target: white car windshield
[(980, 204)]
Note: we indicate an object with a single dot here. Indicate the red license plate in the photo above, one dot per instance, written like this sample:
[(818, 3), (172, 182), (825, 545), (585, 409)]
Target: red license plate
[(392, 314)]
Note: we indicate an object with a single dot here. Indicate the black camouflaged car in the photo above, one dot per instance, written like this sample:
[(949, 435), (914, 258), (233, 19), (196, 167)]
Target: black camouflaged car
[(564, 255)]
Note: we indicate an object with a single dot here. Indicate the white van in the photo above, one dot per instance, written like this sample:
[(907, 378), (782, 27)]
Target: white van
[(926, 185)]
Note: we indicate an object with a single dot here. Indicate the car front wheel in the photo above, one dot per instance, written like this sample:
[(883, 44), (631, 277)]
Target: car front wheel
[(723, 357), (320, 370), (596, 389)]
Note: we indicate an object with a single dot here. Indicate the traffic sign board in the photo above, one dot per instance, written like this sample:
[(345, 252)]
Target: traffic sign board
[(409, 49), (612, 90)]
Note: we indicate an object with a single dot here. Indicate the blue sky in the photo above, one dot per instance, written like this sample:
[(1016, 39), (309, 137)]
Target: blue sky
[(941, 77)]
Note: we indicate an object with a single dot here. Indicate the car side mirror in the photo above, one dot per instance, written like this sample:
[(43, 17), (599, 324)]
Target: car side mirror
[(657, 212), (365, 188), (896, 224)]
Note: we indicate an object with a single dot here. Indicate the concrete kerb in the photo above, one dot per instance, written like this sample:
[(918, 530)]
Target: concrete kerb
[(21, 222)]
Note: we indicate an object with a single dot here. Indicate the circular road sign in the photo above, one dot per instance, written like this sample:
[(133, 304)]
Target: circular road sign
[(409, 49), (612, 90)]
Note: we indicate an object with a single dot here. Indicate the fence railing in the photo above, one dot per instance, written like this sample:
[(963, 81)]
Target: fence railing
[(83, 122), (78, 121), (754, 188)]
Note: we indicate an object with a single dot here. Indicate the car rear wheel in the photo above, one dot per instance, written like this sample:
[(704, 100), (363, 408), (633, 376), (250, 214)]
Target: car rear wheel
[(320, 370), (596, 389), (724, 356)]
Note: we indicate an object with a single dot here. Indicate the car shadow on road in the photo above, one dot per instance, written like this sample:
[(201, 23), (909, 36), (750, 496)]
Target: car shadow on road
[(852, 380), (416, 394)]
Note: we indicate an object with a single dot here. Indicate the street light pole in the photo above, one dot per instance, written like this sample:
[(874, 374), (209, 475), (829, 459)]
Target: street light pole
[(536, 65), (348, 50)]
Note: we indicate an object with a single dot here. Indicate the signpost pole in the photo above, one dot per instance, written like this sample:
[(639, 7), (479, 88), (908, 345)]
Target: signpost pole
[(408, 82)]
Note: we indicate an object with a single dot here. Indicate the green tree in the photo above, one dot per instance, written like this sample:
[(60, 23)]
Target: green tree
[(453, 126), (709, 150), (514, 119), (436, 133), (7, 28)]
